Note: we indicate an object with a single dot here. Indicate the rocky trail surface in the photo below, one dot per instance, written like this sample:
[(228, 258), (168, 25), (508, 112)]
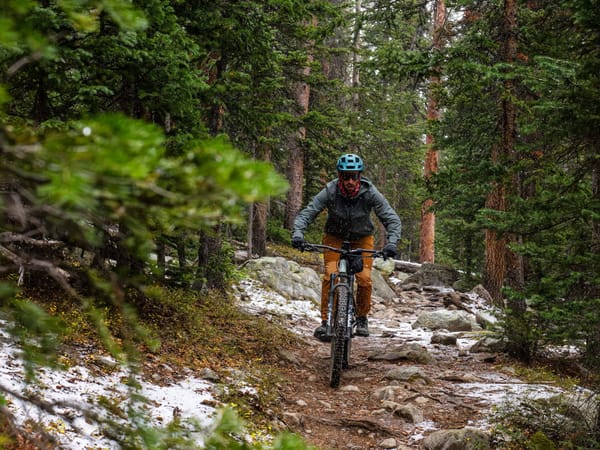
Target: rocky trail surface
[(428, 377), (420, 380)]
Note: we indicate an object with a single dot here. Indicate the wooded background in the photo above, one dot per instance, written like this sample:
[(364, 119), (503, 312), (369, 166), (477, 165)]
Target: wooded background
[(141, 140)]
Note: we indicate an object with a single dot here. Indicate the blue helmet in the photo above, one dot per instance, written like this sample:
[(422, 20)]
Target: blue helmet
[(350, 163)]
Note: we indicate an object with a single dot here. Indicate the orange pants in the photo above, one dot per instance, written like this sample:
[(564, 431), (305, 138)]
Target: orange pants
[(363, 279)]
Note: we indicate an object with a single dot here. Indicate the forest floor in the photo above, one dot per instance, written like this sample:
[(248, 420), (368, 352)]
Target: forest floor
[(368, 410)]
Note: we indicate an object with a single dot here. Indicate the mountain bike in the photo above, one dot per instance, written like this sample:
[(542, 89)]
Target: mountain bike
[(342, 303)]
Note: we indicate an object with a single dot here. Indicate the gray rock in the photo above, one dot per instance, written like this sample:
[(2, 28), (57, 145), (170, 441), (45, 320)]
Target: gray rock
[(457, 320), (486, 319), (286, 277), (385, 393), (406, 373), (432, 275), (296, 282), (488, 344), (385, 266), (482, 292), (388, 443), (410, 352), (468, 438), (409, 413), (444, 338), (208, 374), (381, 288), (288, 356)]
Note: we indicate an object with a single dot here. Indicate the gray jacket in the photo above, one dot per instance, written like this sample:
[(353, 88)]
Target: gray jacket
[(350, 219)]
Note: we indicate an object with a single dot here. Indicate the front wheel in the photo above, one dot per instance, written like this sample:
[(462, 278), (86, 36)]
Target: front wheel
[(346, 358), (340, 344)]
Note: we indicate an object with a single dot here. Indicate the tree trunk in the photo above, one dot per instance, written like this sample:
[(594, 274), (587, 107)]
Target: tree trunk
[(209, 274), (503, 265), (181, 259), (335, 64), (381, 232), (356, 44), (592, 350), (295, 163), (161, 251), (41, 109), (259, 226), (495, 245), (427, 240), (295, 174), (250, 233), (514, 268), (257, 238)]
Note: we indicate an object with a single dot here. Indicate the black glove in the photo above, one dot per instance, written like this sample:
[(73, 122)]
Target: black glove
[(298, 242), (389, 251)]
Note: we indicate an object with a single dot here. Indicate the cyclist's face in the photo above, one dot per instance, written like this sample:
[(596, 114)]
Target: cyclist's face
[(350, 179)]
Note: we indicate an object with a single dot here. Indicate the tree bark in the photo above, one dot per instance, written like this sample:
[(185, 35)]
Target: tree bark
[(259, 226), (514, 269), (295, 174), (295, 163), (495, 245), (592, 350), (356, 44), (503, 266), (260, 212), (427, 239), (208, 274), (381, 232)]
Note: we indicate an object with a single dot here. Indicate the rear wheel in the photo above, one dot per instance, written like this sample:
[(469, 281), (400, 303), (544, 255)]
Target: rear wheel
[(339, 342)]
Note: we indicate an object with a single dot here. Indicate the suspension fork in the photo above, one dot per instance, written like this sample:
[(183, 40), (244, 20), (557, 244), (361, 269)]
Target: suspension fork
[(351, 305), (330, 304)]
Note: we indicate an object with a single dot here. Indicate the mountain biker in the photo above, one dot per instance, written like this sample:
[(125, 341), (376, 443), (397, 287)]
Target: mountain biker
[(349, 200)]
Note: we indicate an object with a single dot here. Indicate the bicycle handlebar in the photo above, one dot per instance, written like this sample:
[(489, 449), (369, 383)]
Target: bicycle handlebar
[(308, 247)]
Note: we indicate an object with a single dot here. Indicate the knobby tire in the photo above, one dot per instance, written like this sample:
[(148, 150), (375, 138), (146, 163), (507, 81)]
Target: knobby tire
[(339, 341), (346, 358)]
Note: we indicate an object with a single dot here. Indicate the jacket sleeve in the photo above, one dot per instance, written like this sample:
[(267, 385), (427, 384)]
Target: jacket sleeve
[(388, 217), (308, 214)]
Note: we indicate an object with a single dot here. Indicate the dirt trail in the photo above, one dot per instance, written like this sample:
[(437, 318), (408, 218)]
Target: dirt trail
[(370, 411)]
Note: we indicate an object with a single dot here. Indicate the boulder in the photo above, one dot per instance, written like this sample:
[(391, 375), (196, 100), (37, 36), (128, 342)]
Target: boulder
[(408, 352), (296, 282), (381, 288), (385, 266), (457, 320), (286, 277), (488, 344), (429, 274)]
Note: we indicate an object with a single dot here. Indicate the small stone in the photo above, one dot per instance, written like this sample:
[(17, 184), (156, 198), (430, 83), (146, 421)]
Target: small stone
[(388, 443), (292, 417), (350, 388), (208, 374)]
